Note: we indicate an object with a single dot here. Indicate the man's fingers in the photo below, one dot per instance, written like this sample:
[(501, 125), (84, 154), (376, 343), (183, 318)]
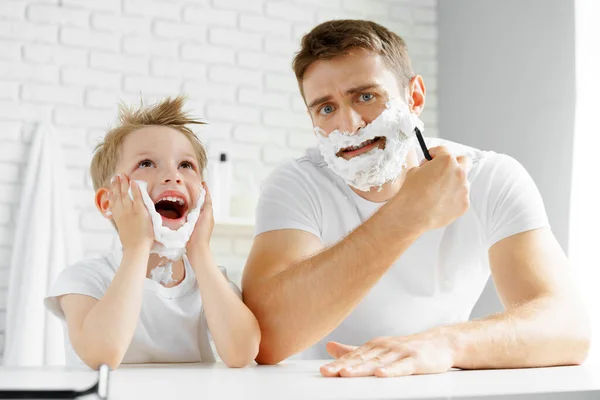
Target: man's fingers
[(404, 367), (337, 350), (377, 358), (438, 151), (465, 162)]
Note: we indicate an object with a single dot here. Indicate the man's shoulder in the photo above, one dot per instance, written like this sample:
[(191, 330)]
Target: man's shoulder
[(310, 165), (484, 162)]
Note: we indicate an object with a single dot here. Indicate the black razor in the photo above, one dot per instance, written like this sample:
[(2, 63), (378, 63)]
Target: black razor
[(422, 144)]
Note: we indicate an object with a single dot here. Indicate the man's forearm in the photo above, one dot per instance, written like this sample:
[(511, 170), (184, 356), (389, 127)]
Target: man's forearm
[(304, 302), (542, 332)]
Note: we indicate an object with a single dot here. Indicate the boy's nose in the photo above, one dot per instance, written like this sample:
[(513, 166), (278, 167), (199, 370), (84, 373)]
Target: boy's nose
[(176, 180)]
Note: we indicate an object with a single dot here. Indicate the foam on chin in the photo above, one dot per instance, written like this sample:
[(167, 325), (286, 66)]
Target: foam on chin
[(378, 166), (169, 243)]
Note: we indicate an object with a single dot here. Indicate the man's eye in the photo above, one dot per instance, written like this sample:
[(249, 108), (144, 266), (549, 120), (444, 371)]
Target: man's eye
[(366, 97), (145, 164), (326, 110)]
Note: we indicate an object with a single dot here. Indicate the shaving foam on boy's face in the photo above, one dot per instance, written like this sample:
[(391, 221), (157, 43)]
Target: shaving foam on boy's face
[(375, 154), (170, 243)]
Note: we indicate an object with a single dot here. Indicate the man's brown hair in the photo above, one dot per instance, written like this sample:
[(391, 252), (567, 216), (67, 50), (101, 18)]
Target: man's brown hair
[(168, 112), (335, 38)]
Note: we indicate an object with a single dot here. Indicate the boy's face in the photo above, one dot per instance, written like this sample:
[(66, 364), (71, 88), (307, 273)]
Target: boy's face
[(164, 158), (348, 92)]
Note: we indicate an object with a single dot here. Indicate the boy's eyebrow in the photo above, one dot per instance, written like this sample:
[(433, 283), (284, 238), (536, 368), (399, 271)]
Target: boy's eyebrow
[(143, 154), (356, 89), (149, 154)]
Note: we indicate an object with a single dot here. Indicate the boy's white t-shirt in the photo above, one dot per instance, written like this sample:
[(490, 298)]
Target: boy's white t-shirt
[(172, 327), (436, 281)]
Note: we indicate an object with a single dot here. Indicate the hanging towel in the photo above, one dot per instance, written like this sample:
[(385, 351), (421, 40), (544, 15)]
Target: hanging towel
[(47, 239)]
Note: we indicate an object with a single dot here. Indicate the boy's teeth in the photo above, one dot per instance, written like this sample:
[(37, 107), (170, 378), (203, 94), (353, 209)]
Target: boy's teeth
[(173, 199)]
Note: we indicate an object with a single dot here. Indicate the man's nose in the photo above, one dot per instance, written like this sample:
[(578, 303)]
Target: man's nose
[(351, 121)]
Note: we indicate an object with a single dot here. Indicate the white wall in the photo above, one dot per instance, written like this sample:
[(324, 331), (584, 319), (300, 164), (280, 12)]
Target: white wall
[(70, 61), (507, 83)]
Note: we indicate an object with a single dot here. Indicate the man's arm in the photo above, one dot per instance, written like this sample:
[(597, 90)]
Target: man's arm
[(298, 298), (300, 292), (544, 322)]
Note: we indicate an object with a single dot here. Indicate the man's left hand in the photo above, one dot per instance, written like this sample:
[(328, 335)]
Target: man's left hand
[(425, 353)]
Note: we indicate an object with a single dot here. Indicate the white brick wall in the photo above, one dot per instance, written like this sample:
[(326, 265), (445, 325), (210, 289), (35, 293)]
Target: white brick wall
[(70, 61)]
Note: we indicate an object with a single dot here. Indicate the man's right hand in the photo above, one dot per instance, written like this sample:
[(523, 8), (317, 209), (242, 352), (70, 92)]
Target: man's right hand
[(437, 192), (131, 217)]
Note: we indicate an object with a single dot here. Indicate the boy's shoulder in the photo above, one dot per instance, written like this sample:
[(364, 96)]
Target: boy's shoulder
[(90, 276), (104, 264)]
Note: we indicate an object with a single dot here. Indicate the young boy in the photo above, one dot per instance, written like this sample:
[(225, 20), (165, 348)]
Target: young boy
[(114, 312)]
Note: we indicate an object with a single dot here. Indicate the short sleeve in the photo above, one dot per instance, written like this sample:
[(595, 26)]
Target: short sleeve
[(288, 200), (506, 198), (88, 277)]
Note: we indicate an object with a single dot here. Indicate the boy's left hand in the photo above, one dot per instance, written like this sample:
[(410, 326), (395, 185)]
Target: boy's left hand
[(200, 239)]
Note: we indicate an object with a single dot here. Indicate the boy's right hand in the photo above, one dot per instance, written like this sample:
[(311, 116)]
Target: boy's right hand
[(131, 217)]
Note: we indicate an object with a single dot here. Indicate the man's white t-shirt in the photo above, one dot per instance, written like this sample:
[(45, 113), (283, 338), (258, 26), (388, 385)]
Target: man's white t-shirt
[(172, 327), (436, 281)]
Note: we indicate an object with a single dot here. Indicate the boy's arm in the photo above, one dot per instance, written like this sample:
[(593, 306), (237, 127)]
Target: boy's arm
[(233, 327), (101, 330)]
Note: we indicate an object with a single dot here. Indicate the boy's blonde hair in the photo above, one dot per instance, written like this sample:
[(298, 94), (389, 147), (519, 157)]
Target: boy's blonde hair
[(338, 37), (168, 112)]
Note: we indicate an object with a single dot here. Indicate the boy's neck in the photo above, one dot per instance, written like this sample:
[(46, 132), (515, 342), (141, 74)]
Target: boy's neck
[(178, 269)]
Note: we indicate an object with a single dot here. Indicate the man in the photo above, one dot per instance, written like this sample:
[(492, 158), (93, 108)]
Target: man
[(358, 244)]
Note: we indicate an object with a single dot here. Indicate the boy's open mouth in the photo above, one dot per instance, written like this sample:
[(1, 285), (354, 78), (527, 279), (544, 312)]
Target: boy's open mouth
[(364, 147), (171, 206)]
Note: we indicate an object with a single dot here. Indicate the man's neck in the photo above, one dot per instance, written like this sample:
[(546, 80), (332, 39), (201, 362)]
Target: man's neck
[(390, 189)]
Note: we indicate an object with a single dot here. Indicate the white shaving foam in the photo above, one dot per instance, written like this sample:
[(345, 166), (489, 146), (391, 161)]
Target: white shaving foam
[(168, 243), (162, 274), (378, 166)]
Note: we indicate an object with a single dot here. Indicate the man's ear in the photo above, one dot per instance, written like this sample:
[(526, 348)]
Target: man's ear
[(102, 203), (416, 94)]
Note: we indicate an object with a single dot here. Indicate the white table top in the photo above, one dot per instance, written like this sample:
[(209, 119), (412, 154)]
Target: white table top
[(301, 380)]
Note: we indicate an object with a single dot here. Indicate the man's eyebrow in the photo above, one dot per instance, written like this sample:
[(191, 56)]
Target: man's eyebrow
[(320, 100), (353, 90), (362, 88)]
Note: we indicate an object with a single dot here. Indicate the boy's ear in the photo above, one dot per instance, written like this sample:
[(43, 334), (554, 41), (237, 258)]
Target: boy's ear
[(101, 201), (416, 94)]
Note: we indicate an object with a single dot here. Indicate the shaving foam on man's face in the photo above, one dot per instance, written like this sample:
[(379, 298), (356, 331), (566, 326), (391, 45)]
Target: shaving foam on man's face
[(376, 153)]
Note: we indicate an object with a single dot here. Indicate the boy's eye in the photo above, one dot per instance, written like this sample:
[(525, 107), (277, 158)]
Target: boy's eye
[(366, 97), (186, 164), (326, 110), (145, 164)]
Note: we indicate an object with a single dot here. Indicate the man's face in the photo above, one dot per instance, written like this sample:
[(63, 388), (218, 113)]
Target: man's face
[(348, 92), (165, 159)]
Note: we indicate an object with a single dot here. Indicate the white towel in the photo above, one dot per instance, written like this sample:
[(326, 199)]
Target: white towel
[(47, 240)]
